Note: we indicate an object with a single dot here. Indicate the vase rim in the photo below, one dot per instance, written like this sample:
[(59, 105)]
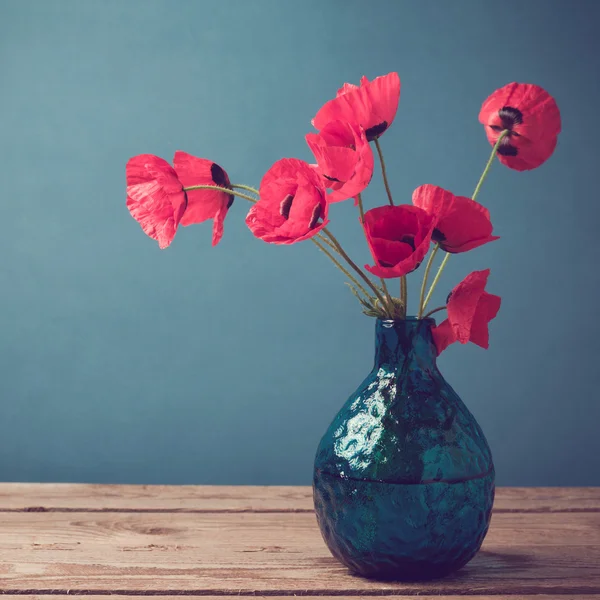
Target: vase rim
[(409, 319)]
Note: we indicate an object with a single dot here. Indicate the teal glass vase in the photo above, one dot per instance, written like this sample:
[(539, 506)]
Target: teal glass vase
[(404, 480)]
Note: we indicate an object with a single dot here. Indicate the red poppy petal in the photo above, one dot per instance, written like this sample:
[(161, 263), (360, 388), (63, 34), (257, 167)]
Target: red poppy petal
[(372, 105), (218, 227), (192, 170), (286, 171), (383, 94), (391, 252), (292, 206), (349, 107), (465, 226), (433, 199), (346, 88), (443, 336), (152, 208), (470, 245), (202, 204), (487, 309), (463, 303), (335, 163), (154, 197), (534, 131), (530, 157), (148, 167)]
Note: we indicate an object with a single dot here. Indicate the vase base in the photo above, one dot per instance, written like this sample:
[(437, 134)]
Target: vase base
[(406, 532)]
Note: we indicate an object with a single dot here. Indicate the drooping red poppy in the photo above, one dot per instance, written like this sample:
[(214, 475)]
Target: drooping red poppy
[(531, 116), (203, 204), (462, 224), (470, 309), (155, 197), (344, 159), (372, 105), (399, 238), (292, 206)]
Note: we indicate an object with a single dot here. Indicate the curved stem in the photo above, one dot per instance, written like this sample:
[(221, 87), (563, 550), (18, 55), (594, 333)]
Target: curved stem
[(220, 189), (388, 297), (488, 166), (432, 312), (489, 163), (241, 186), (383, 171), (354, 266), (324, 239), (341, 267), (435, 280), (361, 209), (425, 278)]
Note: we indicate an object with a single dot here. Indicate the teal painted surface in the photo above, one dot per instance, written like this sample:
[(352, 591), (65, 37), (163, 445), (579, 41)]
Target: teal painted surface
[(122, 363)]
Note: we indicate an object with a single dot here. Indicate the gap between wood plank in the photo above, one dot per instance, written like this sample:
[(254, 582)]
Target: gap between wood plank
[(481, 592)]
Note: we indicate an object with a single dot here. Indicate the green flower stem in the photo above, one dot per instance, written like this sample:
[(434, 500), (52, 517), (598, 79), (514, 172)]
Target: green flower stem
[(435, 280), (488, 166), (404, 293), (383, 171), (321, 238), (354, 266), (388, 297), (341, 267), (361, 210), (432, 312), (425, 278), (220, 189), (241, 186)]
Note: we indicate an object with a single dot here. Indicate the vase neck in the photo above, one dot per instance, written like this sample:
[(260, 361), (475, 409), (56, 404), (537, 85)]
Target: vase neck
[(403, 342)]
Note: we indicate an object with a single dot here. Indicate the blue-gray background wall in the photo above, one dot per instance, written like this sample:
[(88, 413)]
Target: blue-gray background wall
[(123, 363)]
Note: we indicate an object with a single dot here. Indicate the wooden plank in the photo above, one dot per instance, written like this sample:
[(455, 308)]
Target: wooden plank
[(153, 498), (361, 597), (278, 553)]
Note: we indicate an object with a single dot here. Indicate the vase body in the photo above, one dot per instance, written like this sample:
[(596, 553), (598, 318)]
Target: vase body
[(404, 480)]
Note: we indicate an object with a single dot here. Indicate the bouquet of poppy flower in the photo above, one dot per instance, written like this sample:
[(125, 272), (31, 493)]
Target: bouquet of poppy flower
[(521, 121)]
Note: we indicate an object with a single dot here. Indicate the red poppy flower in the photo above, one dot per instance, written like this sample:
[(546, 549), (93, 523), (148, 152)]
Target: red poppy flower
[(155, 197), (372, 105), (399, 238), (203, 204), (462, 223), (292, 205), (532, 118), (344, 159), (470, 309)]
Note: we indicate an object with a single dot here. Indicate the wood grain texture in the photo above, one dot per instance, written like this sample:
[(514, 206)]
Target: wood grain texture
[(361, 597), (215, 542), (153, 498), (273, 553)]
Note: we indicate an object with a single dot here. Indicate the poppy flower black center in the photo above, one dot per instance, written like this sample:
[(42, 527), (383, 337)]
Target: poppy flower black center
[(220, 178), (285, 206), (408, 238), (438, 236), (376, 131), (316, 215), (332, 178), (510, 117)]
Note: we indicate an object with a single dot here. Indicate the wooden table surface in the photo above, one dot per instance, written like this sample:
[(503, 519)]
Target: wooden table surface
[(167, 541)]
